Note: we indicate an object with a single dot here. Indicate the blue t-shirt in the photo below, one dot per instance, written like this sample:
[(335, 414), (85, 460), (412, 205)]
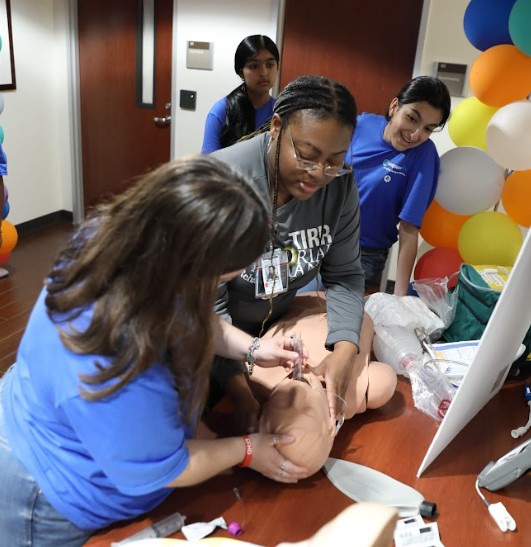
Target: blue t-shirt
[(3, 163), (97, 462), (216, 118), (393, 185)]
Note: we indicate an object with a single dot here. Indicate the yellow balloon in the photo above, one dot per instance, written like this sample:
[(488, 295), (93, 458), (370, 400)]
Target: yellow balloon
[(468, 123), (490, 237)]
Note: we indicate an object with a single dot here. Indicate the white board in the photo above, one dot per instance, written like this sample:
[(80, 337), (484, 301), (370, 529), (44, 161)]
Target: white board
[(499, 344)]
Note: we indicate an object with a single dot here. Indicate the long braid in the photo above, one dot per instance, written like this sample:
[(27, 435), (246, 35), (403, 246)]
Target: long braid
[(276, 180), (275, 224)]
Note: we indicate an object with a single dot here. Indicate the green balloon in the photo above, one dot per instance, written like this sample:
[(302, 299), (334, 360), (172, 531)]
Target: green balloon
[(0, 42), (1, 135), (519, 25)]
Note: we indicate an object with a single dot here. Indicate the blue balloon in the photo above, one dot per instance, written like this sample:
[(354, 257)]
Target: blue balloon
[(486, 23), (5, 210)]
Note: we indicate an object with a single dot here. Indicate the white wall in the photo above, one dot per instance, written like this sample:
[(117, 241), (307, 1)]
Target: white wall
[(225, 24), (35, 120), (443, 40)]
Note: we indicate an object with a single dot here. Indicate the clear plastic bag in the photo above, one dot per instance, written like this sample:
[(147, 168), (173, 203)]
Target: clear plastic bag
[(400, 348), (408, 311), (432, 391), (435, 294)]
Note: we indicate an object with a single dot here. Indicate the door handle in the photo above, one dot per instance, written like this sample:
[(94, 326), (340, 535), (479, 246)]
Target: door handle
[(162, 121)]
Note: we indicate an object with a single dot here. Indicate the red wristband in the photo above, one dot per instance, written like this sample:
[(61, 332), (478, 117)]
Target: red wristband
[(248, 451)]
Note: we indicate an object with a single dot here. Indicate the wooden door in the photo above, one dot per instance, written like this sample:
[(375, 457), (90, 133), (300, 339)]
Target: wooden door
[(120, 139), (369, 46)]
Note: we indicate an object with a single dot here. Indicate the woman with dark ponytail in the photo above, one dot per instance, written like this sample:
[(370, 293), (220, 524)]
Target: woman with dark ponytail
[(397, 168), (248, 106)]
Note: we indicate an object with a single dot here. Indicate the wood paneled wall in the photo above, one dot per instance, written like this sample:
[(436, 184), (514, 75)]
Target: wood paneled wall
[(368, 46)]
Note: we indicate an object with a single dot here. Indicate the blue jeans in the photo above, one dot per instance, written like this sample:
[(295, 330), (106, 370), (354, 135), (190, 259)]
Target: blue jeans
[(373, 263), (26, 517)]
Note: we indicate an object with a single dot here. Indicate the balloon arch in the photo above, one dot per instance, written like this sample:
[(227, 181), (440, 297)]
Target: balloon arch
[(482, 206)]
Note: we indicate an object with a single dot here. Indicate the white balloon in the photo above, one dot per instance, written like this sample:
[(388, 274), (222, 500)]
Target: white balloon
[(1, 104), (508, 136), (470, 181)]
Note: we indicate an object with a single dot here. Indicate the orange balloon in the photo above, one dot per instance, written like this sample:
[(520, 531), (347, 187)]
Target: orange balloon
[(516, 197), (9, 237), (440, 227), (501, 75)]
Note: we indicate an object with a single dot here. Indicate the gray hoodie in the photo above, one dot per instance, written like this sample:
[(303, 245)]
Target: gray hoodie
[(321, 230)]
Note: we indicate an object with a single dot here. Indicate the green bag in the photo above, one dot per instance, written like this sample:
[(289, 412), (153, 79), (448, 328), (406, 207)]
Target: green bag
[(474, 305)]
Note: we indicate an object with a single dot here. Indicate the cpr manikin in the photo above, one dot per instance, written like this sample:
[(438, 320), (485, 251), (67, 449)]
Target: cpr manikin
[(302, 407)]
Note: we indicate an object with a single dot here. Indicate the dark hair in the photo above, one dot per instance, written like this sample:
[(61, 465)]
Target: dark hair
[(427, 89), (240, 118), (148, 263), (325, 98)]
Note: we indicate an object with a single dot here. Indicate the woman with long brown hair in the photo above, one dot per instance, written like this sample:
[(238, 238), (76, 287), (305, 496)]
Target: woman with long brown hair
[(98, 415)]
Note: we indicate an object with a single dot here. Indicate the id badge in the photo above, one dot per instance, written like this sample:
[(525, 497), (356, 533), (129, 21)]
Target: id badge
[(271, 274)]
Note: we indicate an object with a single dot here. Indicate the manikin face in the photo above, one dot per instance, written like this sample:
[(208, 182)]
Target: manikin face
[(323, 141), (260, 72), (410, 124)]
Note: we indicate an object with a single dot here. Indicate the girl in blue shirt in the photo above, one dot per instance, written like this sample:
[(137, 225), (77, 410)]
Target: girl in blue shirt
[(397, 168), (248, 106), (3, 173), (99, 414)]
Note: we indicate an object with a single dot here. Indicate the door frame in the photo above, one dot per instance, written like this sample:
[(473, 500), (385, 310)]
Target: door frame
[(78, 202), (75, 112)]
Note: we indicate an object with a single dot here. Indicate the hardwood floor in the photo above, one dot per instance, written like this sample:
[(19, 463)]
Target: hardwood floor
[(392, 440), (29, 264)]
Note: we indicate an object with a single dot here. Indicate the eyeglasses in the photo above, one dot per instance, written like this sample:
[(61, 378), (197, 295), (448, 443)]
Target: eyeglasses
[(311, 166)]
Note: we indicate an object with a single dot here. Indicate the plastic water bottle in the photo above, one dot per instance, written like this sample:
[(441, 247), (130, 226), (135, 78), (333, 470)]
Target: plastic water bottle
[(397, 346)]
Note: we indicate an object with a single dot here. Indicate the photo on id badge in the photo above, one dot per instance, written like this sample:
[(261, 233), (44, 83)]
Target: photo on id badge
[(271, 274)]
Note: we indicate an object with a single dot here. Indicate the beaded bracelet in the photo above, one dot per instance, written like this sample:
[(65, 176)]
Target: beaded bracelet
[(248, 451), (250, 358)]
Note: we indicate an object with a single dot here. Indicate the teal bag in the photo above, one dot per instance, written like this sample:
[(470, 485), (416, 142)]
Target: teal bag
[(474, 305)]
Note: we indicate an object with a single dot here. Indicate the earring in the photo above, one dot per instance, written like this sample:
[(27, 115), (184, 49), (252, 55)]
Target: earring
[(269, 143)]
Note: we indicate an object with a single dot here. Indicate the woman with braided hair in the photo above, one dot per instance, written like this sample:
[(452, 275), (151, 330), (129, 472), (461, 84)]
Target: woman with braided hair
[(297, 164), (249, 105)]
